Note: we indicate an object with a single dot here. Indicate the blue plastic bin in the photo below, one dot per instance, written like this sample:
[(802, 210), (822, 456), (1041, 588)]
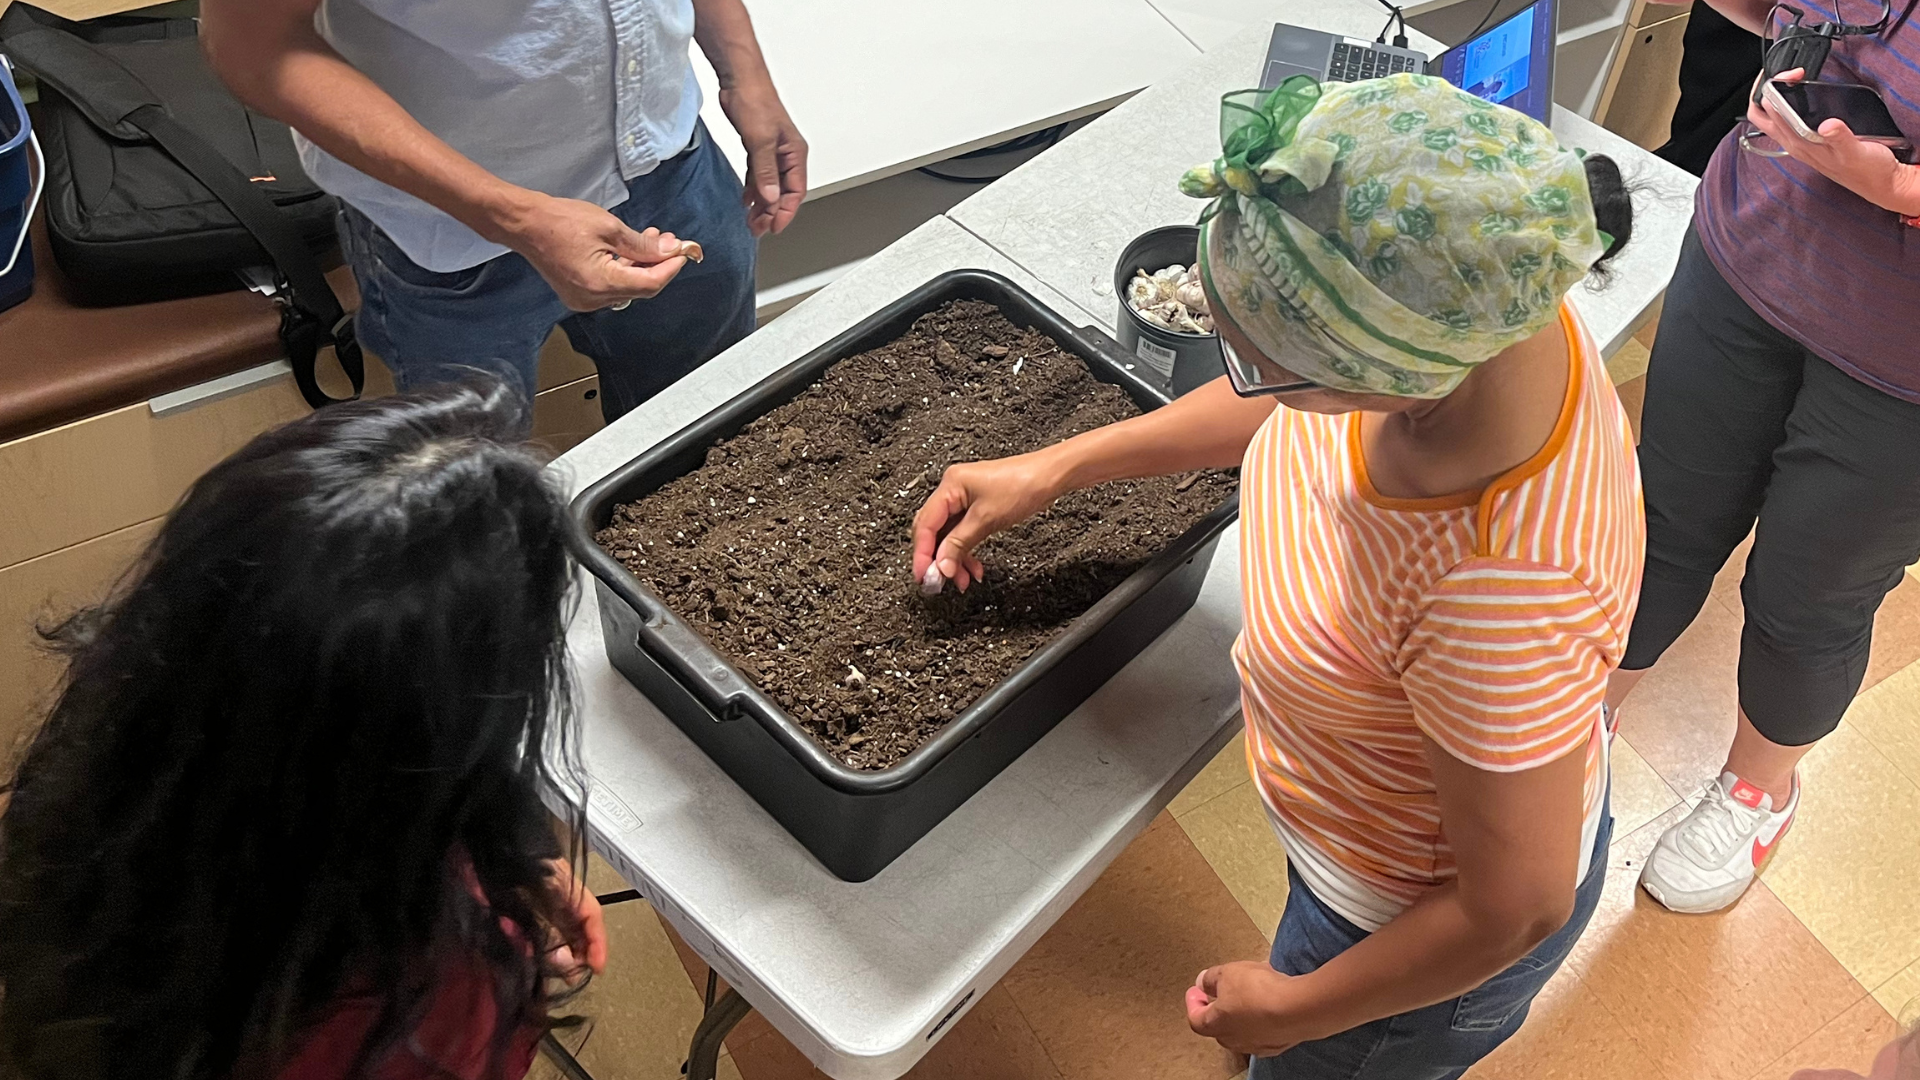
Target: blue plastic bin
[(19, 191)]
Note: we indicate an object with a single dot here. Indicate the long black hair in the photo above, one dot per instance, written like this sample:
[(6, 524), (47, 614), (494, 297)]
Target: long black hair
[(332, 684), (1612, 208)]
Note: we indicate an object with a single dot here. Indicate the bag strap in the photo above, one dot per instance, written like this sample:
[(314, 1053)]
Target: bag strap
[(99, 86), (312, 314), (118, 102)]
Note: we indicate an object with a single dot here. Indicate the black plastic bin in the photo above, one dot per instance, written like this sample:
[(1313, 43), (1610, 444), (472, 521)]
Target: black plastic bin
[(857, 822)]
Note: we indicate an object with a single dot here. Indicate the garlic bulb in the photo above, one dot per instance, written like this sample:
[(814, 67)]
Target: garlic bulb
[(1171, 298), (1145, 292), (1192, 295)]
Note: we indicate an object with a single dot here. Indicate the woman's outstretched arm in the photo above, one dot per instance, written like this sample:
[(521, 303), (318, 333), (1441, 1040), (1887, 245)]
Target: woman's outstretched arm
[(1208, 428)]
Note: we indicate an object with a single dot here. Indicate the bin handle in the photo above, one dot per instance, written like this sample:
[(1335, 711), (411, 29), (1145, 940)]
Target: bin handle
[(33, 201)]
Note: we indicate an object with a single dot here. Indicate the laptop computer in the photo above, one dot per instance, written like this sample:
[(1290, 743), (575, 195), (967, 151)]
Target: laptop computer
[(1511, 63)]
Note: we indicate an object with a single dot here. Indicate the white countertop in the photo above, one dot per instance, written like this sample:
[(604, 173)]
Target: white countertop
[(879, 87), (1073, 242), (857, 975)]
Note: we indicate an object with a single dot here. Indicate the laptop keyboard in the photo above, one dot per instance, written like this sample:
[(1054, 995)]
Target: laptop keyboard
[(1352, 63)]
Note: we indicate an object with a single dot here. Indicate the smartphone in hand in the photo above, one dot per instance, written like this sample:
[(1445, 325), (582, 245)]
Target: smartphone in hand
[(1804, 106)]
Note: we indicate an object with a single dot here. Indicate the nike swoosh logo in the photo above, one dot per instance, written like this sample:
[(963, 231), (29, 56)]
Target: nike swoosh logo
[(1760, 850)]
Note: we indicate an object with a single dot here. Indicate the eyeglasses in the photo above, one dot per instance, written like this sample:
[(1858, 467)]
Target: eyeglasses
[(1262, 375), (1260, 378)]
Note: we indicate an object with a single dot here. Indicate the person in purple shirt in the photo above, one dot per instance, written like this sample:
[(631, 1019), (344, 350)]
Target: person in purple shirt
[(1783, 398)]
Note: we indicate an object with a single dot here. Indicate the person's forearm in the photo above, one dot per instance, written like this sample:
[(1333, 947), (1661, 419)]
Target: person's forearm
[(1433, 951), (275, 62), (1748, 15), (724, 33), (1208, 428)]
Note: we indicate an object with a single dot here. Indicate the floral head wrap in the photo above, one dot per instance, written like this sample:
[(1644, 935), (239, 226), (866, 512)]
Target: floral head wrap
[(1387, 236)]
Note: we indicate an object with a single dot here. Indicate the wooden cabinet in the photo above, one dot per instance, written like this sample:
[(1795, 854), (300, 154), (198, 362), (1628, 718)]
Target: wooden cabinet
[(566, 415), (1644, 84)]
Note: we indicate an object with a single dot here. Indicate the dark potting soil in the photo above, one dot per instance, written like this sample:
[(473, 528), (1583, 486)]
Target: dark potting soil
[(791, 548)]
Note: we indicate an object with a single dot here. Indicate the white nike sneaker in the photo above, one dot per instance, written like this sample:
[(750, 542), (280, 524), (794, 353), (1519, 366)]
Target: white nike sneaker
[(1708, 859)]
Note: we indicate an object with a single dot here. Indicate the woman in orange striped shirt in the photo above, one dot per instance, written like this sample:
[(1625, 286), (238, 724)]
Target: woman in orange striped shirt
[(1440, 547)]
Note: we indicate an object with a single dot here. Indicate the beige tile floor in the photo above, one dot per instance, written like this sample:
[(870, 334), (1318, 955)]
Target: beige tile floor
[(1812, 967)]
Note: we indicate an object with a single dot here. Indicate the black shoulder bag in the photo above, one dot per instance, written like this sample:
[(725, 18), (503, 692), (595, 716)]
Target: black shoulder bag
[(155, 172)]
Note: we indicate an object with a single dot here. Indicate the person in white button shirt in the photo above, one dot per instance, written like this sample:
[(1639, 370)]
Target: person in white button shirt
[(507, 166)]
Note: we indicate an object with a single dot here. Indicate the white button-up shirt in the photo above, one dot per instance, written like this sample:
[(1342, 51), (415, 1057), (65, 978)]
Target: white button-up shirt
[(569, 97)]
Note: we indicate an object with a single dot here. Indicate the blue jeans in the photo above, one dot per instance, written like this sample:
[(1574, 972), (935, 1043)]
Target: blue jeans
[(1441, 1041), (431, 327)]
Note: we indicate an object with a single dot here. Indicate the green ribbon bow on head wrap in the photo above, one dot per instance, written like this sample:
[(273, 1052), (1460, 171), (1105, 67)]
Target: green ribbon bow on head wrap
[(1387, 236)]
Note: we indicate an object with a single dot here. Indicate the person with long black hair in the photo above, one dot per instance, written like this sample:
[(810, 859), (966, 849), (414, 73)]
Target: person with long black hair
[(284, 818)]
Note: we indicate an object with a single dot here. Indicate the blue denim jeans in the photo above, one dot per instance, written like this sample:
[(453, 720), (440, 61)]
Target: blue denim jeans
[(1441, 1041), (431, 327)]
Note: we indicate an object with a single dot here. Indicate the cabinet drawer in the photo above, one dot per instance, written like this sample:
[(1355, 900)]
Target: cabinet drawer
[(88, 478)]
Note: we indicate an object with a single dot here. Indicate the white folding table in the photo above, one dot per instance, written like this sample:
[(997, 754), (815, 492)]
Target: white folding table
[(880, 87)]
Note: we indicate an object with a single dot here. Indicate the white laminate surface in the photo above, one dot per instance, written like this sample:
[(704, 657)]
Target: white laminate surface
[(1211, 23), (1125, 165), (857, 976), (878, 87)]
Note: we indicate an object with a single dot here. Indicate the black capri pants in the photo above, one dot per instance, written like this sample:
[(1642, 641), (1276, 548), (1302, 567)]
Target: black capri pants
[(1742, 424)]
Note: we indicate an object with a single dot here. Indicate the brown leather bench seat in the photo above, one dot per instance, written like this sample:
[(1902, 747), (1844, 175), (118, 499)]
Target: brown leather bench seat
[(62, 359)]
